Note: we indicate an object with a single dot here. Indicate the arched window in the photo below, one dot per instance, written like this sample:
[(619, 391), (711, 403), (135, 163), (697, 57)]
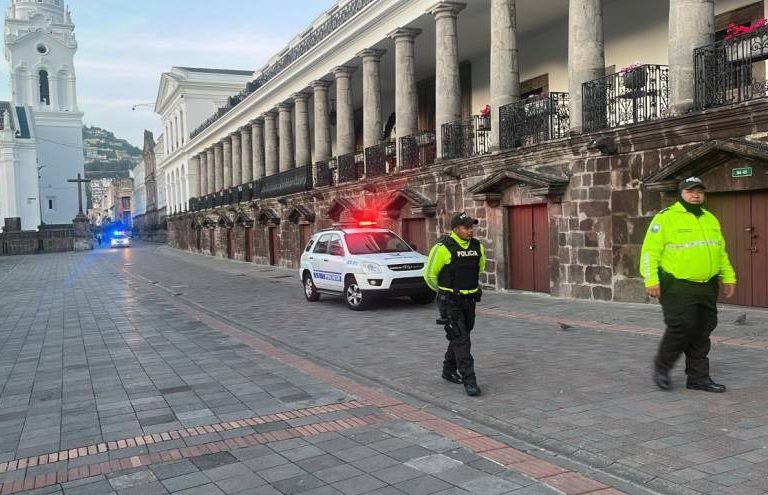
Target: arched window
[(45, 91)]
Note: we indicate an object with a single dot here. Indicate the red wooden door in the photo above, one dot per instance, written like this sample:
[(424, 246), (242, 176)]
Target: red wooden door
[(199, 240), (529, 248), (744, 220), (212, 239), (305, 233), (415, 233), (230, 244), (248, 244), (272, 246)]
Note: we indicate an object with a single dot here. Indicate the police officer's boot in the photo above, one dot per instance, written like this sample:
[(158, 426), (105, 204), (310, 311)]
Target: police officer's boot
[(452, 376), (472, 389), (661, 378), (706, 384)]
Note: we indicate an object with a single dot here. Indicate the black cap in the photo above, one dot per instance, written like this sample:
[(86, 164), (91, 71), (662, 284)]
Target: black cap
[(690, 183), (462, 219)]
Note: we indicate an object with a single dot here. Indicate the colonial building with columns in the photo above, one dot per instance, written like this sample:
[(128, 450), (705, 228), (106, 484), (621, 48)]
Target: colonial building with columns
[(562, 125)]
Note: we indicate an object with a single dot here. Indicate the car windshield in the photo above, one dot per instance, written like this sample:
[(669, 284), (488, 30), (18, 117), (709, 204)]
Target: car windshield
[(120, 237), (375, 242)]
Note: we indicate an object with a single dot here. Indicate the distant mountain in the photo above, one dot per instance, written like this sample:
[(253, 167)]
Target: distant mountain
[(106, 157)]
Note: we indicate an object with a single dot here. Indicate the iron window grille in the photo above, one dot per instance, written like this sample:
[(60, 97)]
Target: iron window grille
[(534, 120), (418, 150)]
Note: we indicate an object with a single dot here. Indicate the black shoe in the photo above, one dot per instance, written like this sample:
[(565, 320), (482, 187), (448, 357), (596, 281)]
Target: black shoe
[(472, 389), (707, 385), (661, 379), (452, 376)]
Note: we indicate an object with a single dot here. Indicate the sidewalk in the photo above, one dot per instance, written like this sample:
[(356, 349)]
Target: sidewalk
[(110, 383)]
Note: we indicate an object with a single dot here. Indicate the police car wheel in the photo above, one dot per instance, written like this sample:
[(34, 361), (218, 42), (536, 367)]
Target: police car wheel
[(354, 296), (424, 298), (310, 291)]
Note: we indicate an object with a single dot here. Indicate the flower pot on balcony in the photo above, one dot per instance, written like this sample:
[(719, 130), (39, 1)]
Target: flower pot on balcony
[(634, 80)]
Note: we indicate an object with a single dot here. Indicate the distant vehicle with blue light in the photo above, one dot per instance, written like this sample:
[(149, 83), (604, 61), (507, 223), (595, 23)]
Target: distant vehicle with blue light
[(119, 239), (362, 262)]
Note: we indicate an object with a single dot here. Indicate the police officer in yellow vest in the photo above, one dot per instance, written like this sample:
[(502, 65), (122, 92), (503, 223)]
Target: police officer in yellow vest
[(453, 271), (684, 262)]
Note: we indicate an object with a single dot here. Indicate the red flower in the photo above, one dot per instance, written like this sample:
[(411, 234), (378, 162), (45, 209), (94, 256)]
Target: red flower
[(735, 30), (485, 111)]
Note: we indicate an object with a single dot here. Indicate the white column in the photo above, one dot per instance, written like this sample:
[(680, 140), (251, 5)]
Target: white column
[(246, 154), (203, 157), (257, 144), (586, 56), (345, 118), (285, 125), (505, 71), (372, 124), (211, 170), (322, 123), (406, 95), (193, 177), (218, 156), (271, 152), (237, 164), (303, 144), (691, 25), (226, 144), (447, 80)]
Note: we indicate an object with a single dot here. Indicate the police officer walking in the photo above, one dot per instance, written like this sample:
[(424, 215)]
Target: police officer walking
[(453, 271), (684, 262)]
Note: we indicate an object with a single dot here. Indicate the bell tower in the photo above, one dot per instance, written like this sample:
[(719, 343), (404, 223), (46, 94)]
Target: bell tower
[(40, 48)]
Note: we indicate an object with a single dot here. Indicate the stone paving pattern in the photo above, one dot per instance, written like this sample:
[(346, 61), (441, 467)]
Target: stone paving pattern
[(112, 383), (584, 393)]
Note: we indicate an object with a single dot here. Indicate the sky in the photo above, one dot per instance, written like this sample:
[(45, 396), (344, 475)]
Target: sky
[(125, 45)]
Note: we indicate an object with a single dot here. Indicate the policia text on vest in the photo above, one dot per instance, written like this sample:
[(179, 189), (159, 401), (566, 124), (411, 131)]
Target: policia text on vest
[(453, 271), (684, 261)]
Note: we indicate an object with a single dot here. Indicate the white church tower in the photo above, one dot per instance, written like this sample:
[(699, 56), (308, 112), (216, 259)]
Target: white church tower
[(40, 47)]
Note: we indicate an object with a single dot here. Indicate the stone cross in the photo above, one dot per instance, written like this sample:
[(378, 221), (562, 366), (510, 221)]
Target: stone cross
[(80, 182)]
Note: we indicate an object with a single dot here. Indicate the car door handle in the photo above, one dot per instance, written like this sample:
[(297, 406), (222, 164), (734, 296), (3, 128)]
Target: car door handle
[(325, 259), (311, 257)]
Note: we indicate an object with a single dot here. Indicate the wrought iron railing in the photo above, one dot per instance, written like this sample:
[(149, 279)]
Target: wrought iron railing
[(534, 120), (324, 173), (291, 181), (462, 139), (418, 150), (379, 159), (726, 72), (347, 168), (625, 98), (311, 39)]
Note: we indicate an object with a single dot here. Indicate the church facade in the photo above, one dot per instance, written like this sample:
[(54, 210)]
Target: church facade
[(41, 142), (564, 126)]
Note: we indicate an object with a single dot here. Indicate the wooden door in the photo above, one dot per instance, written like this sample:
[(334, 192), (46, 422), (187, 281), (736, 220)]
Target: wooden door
[(199, 240), (305, 232), (248, 244), (272, 239), (212, 239), (415, 233), (230, 244), (529, 248), (744, 220)]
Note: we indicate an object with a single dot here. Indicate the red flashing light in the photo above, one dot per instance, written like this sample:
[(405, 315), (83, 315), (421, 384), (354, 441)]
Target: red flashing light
[(366, 223)]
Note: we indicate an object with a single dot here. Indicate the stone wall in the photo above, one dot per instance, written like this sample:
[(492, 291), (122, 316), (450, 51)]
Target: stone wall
[(49, 239)]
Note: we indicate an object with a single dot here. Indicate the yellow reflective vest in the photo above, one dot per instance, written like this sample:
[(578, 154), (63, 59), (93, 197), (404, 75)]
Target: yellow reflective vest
[(439, 256), (685, 246)]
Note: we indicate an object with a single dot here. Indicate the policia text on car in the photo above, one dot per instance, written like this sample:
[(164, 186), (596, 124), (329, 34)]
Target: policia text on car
[(684, 261), (453, 271)]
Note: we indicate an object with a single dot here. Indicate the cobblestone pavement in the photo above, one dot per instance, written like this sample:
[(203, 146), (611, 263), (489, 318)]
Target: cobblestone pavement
[(151, 371), (583, 394)]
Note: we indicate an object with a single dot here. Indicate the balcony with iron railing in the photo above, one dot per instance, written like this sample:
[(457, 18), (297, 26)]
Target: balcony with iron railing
[(291, 181), (634, 95), (324, 172), (380, 160), (467, 138), (534, 120), (417, 150), (351, 167), (732, 70)]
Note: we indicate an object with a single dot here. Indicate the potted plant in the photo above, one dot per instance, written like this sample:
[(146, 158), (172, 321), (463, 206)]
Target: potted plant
[(484, 119), (633, 76), (746, 42)]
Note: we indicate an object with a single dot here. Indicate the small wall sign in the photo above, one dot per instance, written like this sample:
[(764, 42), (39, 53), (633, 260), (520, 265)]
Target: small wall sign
[(741, 172)]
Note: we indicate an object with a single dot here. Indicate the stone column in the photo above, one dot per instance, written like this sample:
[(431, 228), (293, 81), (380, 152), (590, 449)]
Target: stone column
[(406, 95), (447, 81), (257, 144), (211, 161), (372, 124), (246, 154), (285, 127), (271, 153), (303, 144), (586, 55), (193, 179), (237, 164), (345, 118), (203, 157), (691, 25), (227, 149), (218, 157), (505, 68), (322, 122)]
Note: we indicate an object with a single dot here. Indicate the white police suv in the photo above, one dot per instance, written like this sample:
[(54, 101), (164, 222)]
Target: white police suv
[(361, 263)]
